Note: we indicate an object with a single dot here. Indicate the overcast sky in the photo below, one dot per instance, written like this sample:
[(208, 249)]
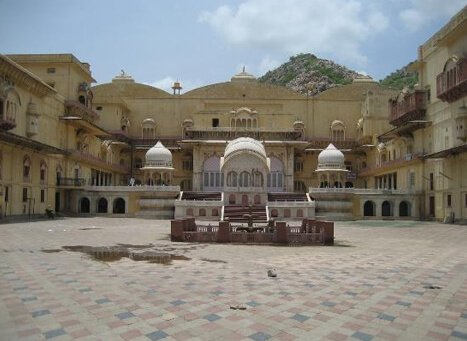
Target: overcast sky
[(207, 41)]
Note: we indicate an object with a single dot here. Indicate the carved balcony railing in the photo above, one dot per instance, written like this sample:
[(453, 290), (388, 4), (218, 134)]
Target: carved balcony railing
[(452, 83), (227, 133), (94, 160), (77, 109), (71, 182), (168, 142), (323, 142), (411, 108), (406, 160)]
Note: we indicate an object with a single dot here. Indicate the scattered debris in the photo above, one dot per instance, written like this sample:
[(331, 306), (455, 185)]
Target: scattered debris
[(272, 273), (238, 307), (432, 287)]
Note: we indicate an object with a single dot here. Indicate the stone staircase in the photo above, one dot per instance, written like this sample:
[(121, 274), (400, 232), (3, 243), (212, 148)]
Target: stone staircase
[(236, 213), (287, 196), (200, 196)]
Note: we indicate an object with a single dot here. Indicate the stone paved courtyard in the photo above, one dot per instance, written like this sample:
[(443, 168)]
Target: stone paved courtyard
[(396, 280)]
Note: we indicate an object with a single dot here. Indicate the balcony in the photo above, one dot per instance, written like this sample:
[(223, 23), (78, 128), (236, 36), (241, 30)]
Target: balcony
[(97, 162), (406, 160), (227, 133), (7, 123), (320, 143), (76, 109), (411, 108), (168, 142), (452, 84), (70, 182)]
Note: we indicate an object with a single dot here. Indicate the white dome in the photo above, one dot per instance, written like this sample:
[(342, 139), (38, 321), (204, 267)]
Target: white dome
[(158, 156), (331, 158), (245, 144)]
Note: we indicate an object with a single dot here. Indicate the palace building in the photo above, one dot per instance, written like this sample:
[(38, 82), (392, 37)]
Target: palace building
[(126, 148)]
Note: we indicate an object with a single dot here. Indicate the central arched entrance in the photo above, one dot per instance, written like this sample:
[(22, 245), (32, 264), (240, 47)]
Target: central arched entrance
[(84, 205)]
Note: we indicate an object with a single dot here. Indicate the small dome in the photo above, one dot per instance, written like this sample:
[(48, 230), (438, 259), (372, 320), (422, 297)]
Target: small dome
[(158, 156), (243, 76), (245, 144), (331, 159)]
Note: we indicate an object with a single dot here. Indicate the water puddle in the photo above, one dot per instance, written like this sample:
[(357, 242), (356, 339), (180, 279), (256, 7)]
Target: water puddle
[(133, 252)]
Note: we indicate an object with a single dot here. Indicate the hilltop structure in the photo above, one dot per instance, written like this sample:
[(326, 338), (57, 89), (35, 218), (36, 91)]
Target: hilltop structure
[(132, 149)]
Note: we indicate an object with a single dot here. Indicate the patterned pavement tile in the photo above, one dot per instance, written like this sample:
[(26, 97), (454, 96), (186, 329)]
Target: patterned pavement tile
[(379, 288)]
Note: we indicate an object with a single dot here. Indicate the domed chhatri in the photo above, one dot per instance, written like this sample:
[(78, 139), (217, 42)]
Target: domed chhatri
[(245, 144), (243, 76), (158, 156), (331, 158)]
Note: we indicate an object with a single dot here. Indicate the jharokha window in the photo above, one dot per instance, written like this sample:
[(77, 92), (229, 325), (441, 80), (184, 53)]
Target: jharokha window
[(43, 173), (26, 169), (337, 131), (148, 127)]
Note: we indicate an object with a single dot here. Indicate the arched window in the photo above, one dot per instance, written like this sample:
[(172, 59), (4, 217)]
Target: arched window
[(138, 163), (257, 199), (286, 212), (257, 179), (215, 212), (232, 179), (299, 213), (26, 169), (202, 212), (244, 179), (148, 127), (274, 213), (212, 177), (189, 212), (232, 199), (43, 173), (276, 175), (337, 131)]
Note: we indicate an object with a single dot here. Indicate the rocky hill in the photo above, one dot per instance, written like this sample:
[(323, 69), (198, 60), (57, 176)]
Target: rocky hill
[(307, 73), (400, 79)]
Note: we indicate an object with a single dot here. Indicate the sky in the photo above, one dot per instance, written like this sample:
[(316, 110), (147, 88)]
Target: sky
[(200, 42)]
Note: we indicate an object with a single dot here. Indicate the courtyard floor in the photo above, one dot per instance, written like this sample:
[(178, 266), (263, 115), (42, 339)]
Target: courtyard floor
[(396, 280)]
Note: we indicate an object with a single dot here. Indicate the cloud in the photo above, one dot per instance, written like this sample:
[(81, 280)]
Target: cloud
[(336, 27), (166, 84), (421, 12)]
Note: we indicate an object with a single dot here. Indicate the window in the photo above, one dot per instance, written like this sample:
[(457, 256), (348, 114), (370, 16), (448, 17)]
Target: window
[(43, 173), (187, 165), (7, 194), (337, 131), (42, 195), (411, 180), (138, 163), (26, 169), (51, 70), (298, 166), (99, 108), (82, 99), (432, 182), (449, 200), (25, 194), (215, 122), (465, 197)]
